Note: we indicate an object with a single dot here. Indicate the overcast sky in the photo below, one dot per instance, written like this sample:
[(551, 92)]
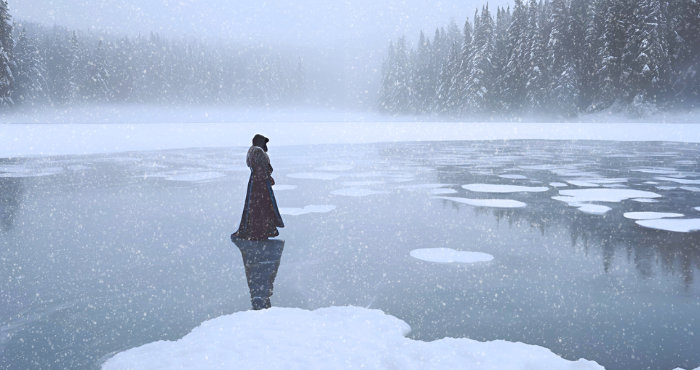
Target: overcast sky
[(291, 22)]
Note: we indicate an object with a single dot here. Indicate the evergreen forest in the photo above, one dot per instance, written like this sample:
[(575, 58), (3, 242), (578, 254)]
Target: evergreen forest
[(54, 66), (556, 57)]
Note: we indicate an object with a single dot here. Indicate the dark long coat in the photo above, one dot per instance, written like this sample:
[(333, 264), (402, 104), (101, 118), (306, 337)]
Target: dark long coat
[(261, 217)]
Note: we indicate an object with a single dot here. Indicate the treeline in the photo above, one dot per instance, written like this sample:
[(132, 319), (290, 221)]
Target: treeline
[(42, 66), (561, 57)]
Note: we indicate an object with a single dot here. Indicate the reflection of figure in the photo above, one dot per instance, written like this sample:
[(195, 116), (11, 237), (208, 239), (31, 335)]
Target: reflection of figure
[(260, 218), (10, 193), (261, 259)]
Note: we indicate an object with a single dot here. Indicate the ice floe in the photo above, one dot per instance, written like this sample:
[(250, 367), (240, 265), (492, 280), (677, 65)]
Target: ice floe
[(447, 255), (314, 176), (306, 210), (592, 209), (675, 225), (650, 215), (196, 176), (423, 186), (691, 188), (513, 177), (329, 338), (443, 191), (645, 200), (339, 167), (558, 184), (493, 188), (697, 209), (583, 184), (356, 192), (680, 181), (493, 203), (667, 187), (283, 187), (602, 195), (664, 171)]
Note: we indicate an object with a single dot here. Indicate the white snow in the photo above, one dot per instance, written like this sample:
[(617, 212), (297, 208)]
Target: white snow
[(283, 187), (602, 195), (447, 255), (306, 210), (592, 209), (494, 203), (691, 188), (356, 192), (339, 167), (493, 188), (697, 209), (583, 184), (650, 215), (675, 225), (645, 200), (196, 176), (77, 133), (514, 177), (680, 181), (558, 184), (314, 176), (443, 191), (667, 187), (329, 338)]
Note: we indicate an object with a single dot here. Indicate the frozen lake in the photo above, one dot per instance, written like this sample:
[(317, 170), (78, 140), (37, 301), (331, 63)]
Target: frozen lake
[(590, 258)]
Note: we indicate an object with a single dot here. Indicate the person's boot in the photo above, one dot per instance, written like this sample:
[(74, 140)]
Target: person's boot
[(267, 303)]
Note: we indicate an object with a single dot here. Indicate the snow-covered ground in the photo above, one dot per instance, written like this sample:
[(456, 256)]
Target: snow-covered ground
[(121, 129), (329, 338)]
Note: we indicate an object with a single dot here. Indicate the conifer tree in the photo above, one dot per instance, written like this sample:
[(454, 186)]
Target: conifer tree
[(96, 88), (7, 65), (76, 70), (536, 70), (513, 84), (30, 84), (480, 84)]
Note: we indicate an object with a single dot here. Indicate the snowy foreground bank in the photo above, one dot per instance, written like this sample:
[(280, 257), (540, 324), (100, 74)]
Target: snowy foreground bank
[(329, 338), (20, 140)]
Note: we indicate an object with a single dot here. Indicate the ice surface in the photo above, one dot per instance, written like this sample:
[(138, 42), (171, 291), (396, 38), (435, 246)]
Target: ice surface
[(362, 183), (339, 167), (583, 184), (667, 187), (602, 195), (283, 187), (592, 209), (514, 177), (680, 181), (494, 203), (306, 210), (14, 169), (78, 167), (424, 186), (650, 215), (443, 191), (356, 192), (691, 188), (675, 225), (196, 176), (50, 136), (558, 184), (697, 209), (228, 167), (665, 171), (493, 188), (314, 176), (329, 338), (18, 171), (447, 255)]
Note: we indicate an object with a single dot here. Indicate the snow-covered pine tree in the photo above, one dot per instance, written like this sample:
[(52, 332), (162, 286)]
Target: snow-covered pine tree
[(610, 45), (645, 59), (465, 64), (590, 63), (449, 86), (401, 88), (384, 102), (76, 71), (30, 85), (564, 84), (6, 58), (96, 89), (480, 85), (536, 69), (422, 75), (513, 79), (500, 55), (121, 75)]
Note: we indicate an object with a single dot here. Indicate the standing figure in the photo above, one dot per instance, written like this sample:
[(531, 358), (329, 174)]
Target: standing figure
[(261, 217)]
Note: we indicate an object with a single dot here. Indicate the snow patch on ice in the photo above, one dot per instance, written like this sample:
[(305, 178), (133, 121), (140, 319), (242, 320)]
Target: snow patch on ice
[(493, 188), (356, 192), (674, 225), (423, 186), (446, 255), (697, 209), (314, 176), (680, 181), (329, 338), (493, 203), (691, 188), (583, 184), (602, 195), (558, 184), (513, 177), (283, 187), (196, 176), (443, 191), (650, 215), (645, 200), (306, 210)]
